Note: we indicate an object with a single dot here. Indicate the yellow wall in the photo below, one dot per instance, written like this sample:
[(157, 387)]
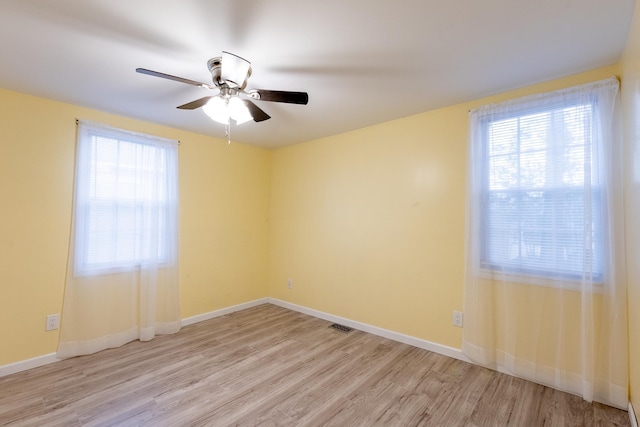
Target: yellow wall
[(224, 210), (631, 110), (370, 224)]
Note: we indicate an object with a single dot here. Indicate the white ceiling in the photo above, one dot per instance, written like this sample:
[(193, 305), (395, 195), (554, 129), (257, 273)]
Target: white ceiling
[(361, 61)]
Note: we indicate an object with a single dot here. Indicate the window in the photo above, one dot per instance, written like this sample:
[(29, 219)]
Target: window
[(126, 200), (545, 208), (540, 190)]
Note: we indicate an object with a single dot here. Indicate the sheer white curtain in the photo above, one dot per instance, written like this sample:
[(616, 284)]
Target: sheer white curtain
[(122, 273), (545, 290)]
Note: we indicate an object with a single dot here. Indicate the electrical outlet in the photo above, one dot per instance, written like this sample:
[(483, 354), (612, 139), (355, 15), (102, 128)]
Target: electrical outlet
[(457, 318), (53, 322), (290, 283)]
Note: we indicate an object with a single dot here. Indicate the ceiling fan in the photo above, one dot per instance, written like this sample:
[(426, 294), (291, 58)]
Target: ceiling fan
[(230, 73)]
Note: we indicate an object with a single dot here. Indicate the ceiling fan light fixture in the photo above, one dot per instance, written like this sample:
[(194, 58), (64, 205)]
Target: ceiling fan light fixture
[(230, 74), (238, 111), (217, 110), (221, 110)]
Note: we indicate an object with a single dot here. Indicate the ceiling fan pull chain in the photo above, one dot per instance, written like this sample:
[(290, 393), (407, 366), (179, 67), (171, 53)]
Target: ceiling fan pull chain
[(227, 133)]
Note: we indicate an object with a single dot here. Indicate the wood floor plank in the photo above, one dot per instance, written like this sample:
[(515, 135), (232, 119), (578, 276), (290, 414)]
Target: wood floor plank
[(268, 366)]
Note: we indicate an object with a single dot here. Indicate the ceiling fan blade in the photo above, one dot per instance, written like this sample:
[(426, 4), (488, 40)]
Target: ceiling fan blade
[(256, 112), (174, 78), (280, 96), (195, 104)]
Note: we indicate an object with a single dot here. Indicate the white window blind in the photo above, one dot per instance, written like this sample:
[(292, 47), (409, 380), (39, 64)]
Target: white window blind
[(541, 190), (126, 200)]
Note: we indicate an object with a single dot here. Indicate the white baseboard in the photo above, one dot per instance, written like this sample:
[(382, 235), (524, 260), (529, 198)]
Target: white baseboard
[(23, 365), (632, 416), (223, 311), (395, 336), (406, 339), (35, 362)]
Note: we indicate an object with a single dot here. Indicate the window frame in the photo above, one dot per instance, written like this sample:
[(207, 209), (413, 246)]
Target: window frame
[(88, 133), (539, 276)]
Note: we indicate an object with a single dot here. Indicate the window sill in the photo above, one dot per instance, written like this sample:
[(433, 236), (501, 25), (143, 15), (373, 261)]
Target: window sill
[(530, 279), (119, 269)]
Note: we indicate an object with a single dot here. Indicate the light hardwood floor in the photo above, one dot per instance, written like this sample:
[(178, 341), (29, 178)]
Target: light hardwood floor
[(269, 366)]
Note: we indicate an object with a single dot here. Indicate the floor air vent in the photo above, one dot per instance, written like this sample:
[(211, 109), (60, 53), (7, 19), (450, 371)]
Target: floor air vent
[(341, 328)]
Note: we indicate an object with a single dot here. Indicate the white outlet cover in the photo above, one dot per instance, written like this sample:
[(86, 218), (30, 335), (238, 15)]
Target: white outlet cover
[(53, 322), (457, 318)]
